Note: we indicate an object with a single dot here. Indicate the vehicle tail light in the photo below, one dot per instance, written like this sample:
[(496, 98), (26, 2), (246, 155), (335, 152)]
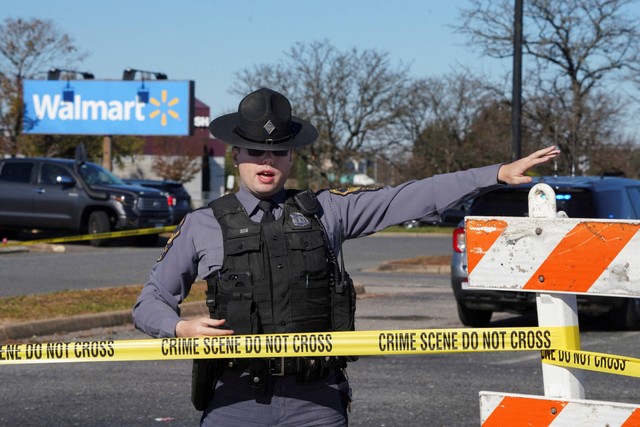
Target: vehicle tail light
[(171, 201), (458, 240)]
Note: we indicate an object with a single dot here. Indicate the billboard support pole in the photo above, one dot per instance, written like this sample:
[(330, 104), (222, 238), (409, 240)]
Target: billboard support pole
[(106, 152)]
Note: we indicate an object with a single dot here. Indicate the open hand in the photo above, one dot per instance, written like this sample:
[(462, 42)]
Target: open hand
[(514, 172)]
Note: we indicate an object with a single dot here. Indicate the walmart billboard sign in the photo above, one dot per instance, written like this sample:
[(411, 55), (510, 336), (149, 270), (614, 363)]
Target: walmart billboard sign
[(94, 107)]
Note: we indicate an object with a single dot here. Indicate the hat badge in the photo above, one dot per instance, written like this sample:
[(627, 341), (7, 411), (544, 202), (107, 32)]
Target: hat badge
[(269, 127)]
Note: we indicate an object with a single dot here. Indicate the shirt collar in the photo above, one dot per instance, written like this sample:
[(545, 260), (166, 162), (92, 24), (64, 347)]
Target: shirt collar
[(250, 202)]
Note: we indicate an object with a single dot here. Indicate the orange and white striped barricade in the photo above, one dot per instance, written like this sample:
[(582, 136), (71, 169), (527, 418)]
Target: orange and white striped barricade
[(502, 409), (556, 257), (554, 254)]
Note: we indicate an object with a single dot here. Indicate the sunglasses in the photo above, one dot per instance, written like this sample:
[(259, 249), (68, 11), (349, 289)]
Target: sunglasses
[(260, 153)]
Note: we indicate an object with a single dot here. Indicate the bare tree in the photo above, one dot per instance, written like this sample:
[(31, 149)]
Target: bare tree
[(454, 124), (577, 46), (548, 118), (28, 48), (177, 160), (353, 97), (620, 158), (177, 168)]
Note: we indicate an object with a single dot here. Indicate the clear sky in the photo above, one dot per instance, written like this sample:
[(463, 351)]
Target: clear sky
[(207, 41)]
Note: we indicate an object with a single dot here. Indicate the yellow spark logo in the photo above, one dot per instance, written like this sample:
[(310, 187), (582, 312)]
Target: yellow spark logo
[(160, 112)]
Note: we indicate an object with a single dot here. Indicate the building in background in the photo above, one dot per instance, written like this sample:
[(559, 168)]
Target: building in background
[(200, 149)]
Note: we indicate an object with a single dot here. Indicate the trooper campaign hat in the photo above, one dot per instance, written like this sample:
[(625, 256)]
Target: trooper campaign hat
[(264, 122)]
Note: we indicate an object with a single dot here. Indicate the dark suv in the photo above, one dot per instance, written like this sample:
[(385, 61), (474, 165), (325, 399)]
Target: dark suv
[(578, 197), (78, 196), (178, 198)]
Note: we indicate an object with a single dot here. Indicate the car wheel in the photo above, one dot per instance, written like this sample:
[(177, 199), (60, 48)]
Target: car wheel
[(627, 317), (99, 223), (474, 318)]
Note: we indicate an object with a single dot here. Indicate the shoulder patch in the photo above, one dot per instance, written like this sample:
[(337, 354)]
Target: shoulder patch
[(173, 237), (352, 190)]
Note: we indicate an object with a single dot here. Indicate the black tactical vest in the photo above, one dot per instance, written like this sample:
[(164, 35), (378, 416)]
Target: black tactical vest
[(278, 277)]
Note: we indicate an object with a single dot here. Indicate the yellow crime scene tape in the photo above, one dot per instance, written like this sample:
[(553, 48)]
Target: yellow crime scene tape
[(352, 343), (600, 362), (551, 341), (109, 235)]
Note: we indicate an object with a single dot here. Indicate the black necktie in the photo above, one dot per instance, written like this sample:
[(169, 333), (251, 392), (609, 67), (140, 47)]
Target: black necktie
[(266, 206)]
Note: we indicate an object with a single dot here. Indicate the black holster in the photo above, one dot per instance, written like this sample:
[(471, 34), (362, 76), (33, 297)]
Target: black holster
[(204, 377)]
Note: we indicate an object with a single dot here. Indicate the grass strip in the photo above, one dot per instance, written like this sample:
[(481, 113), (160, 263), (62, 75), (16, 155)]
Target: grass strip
[(24, 308)]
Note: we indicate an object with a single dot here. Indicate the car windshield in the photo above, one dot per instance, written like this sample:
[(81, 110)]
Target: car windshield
[(97, 175), (576, 203)]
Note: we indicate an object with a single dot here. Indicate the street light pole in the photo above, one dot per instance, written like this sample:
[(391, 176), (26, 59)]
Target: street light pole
[(516, 107)]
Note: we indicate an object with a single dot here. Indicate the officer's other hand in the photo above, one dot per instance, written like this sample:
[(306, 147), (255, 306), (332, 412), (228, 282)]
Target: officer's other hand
[(514, 172), (202, 326)]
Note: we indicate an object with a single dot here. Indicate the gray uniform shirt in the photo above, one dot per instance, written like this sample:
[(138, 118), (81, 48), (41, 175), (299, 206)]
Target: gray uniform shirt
[(196, 247)]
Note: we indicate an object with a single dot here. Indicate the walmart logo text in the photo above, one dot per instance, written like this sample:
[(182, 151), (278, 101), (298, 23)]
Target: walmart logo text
[(109, 107), (54, 108)]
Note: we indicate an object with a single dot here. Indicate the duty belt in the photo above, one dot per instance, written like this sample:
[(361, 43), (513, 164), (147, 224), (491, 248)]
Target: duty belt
[(305, 368), (280, 366)]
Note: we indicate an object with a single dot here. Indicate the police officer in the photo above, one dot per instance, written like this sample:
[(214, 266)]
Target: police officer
[(271, 261)]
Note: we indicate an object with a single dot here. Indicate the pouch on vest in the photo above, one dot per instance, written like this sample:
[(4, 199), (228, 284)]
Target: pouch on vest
[(243, 318), (344, 304)]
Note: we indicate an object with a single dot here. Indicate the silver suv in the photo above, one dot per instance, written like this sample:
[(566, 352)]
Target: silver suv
[(77, 196), (578, 197)]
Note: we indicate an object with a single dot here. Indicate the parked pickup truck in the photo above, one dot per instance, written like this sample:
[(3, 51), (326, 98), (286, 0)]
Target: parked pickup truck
[(78, 196)]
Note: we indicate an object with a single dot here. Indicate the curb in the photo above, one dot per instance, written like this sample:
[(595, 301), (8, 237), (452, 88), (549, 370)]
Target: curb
[(416, 269), (13, 249), (38, 247)]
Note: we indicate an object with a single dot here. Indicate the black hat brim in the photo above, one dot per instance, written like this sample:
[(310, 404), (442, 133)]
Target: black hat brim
[(223, 128)]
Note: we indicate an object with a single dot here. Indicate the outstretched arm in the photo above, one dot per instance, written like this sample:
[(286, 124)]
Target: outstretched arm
[(514, 172)]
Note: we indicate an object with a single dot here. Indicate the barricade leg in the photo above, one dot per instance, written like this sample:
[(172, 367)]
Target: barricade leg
[(561, 310), (556, 310)]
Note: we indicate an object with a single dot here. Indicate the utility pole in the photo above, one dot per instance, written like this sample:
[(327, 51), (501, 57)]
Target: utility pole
[(106, 153), (516, 107)]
